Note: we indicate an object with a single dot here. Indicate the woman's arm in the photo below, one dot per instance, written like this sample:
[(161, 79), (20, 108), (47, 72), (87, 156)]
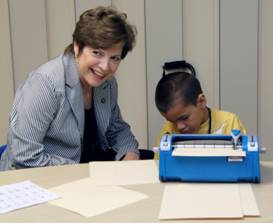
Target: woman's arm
[(34, 108), (119, 134)]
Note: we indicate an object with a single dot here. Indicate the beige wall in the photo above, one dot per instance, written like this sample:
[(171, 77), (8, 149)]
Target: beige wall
[(6, 83), (131, 75), (201, 44), (265, 96), (28, 33), (59, 16), (163, 44), (48, 26)]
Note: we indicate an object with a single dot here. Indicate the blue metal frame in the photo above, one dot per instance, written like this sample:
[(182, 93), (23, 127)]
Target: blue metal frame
[(208, 169)]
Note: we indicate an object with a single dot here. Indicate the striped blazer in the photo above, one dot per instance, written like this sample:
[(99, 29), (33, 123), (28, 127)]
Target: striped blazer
[(47, 118)]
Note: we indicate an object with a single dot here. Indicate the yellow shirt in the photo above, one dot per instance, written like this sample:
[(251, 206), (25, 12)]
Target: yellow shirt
[(222, 122)]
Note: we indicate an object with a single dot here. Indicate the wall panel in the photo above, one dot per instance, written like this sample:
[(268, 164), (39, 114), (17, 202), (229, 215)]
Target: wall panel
[(6, 83), (28, 36), (266, 77), (83, 5), (201, 44), (163, 43), (60, 20), (239, 59), (131, 75)]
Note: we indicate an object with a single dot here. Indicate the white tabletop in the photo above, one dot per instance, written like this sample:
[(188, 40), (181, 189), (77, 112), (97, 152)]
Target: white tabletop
[(144, 211)]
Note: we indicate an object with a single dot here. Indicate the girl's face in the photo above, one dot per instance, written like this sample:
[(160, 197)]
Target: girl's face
[(97, 65)]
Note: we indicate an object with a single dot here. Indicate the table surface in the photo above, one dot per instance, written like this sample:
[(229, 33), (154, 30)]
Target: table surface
[(146, 210)]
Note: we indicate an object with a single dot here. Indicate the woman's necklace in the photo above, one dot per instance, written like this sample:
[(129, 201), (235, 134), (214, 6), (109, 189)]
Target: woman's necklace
[(88, 98)]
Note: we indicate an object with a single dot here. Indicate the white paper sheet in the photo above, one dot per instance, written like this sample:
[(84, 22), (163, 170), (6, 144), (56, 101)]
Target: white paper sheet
[(124, 172), (208, 152), (248, 200), (195, 201), (208, 201), (23, 194), (87, 199)]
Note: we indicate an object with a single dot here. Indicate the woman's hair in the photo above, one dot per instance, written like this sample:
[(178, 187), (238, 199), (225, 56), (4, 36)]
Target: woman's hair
[(102, 28), (177, 87)]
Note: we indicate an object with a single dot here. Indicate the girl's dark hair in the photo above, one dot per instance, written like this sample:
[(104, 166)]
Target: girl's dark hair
[(102, 28), (177, 87)]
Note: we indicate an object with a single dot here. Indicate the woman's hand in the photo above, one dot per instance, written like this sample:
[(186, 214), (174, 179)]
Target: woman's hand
[(131, 156)]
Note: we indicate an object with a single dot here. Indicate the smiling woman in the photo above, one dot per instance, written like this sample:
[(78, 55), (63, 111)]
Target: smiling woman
[(66, 111), (97, 65)]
